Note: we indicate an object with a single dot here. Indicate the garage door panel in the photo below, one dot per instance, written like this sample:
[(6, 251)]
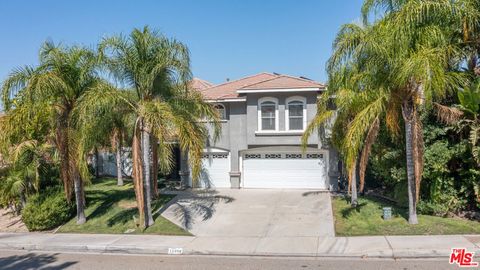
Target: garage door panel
[(215, 171), (307, 172)]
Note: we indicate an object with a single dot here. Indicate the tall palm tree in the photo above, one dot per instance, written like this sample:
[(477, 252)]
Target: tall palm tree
[(425, 57), (63, 77), (339, 105), (399, 64), (157, 70)]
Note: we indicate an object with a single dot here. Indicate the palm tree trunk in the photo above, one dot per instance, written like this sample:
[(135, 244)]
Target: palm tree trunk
[(61, 141), (408, 111), (138, 171), (147, 177), (23, 199), (353, 186), (119, 162), (79, 198), (97, 164), (155, 166)]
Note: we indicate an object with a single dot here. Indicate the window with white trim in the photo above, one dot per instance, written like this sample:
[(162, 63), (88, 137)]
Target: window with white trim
[(295, 114), (268, 114), (221, 111)]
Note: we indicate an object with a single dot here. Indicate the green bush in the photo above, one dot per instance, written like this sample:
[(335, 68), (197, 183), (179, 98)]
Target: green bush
[(450, 176), (47, 210), (442, 206)]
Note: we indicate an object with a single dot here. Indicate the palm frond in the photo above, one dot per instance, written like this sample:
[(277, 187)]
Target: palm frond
[(446, 114)]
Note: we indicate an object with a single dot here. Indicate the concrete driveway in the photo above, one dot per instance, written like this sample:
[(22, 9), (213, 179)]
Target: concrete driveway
[(253, 213)]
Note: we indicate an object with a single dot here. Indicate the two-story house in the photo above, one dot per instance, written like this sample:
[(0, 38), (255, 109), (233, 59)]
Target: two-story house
[(263, 119)]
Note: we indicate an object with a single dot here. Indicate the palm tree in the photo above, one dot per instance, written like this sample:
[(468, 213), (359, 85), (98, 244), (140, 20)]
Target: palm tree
[(397, 66), (158, 71), (29, 162), (26, 151), (347, 103), (108, 130), (425, 57), (63, 77)]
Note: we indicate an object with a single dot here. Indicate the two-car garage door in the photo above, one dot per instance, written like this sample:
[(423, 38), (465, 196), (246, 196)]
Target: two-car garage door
[(284, 170), (265, 170)]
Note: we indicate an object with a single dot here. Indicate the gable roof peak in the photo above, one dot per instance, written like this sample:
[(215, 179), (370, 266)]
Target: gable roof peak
[(199, 84)]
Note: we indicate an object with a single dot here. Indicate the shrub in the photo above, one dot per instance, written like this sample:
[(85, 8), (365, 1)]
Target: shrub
[(442, 206), (47, 210), (450, 176)]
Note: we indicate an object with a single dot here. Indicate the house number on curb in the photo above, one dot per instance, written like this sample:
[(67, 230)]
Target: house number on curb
[(175, 251)]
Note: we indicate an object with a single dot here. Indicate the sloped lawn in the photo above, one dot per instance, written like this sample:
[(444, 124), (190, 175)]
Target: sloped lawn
[(366, 219), (111, 209)]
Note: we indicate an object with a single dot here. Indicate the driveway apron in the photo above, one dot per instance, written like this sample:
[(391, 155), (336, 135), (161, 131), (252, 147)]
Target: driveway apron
[(269, 213)]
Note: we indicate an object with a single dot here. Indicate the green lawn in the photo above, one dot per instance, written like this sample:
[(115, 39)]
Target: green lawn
[(366, 219), (110, 209)]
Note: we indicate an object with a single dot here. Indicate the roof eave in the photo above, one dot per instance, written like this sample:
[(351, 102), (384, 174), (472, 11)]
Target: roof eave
[(226, 100), (281, 90)]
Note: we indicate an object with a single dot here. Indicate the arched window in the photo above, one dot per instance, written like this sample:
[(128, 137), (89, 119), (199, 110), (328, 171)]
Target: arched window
[(221, 111), (268, 114), (296, 113)]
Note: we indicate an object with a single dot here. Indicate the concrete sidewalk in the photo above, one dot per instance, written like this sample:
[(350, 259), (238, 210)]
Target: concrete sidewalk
[(368, 246)]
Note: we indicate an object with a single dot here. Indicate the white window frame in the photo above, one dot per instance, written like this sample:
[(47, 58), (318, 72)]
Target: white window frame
[(259, 113), (287, 115), (224, 110)]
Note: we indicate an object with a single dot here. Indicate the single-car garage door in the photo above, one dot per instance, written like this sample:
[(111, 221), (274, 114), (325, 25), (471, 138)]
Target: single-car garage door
[(284, 170), (215, 171)]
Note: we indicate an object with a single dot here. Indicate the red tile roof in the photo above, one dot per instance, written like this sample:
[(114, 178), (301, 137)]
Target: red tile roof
[(284, 82), (229, 89), (199, 84), (264, 80)]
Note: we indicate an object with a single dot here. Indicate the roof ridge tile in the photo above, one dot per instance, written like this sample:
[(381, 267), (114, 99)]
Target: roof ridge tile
[(243, 78)]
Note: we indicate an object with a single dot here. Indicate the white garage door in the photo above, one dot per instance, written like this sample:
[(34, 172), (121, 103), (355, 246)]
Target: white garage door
[(215, 171), (284, 170)]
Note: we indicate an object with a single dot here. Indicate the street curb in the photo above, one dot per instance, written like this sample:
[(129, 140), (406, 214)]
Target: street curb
[(105, 249)]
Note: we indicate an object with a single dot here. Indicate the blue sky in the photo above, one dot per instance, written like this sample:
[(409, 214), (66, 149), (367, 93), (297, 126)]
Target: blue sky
[(227, 39)]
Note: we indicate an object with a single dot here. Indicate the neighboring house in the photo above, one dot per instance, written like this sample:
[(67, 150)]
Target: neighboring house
[(107, 164), (199, 84), (263, 119)]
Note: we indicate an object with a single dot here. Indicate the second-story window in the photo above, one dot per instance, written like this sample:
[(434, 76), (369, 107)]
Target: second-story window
[(296, 113), (268, 114), (221, 111)]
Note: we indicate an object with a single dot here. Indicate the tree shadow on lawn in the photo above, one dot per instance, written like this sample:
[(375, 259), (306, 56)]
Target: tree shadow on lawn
[(188, 205), (123, 217), (347, 212), (106, 200), (365, 200), (127, 215)]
